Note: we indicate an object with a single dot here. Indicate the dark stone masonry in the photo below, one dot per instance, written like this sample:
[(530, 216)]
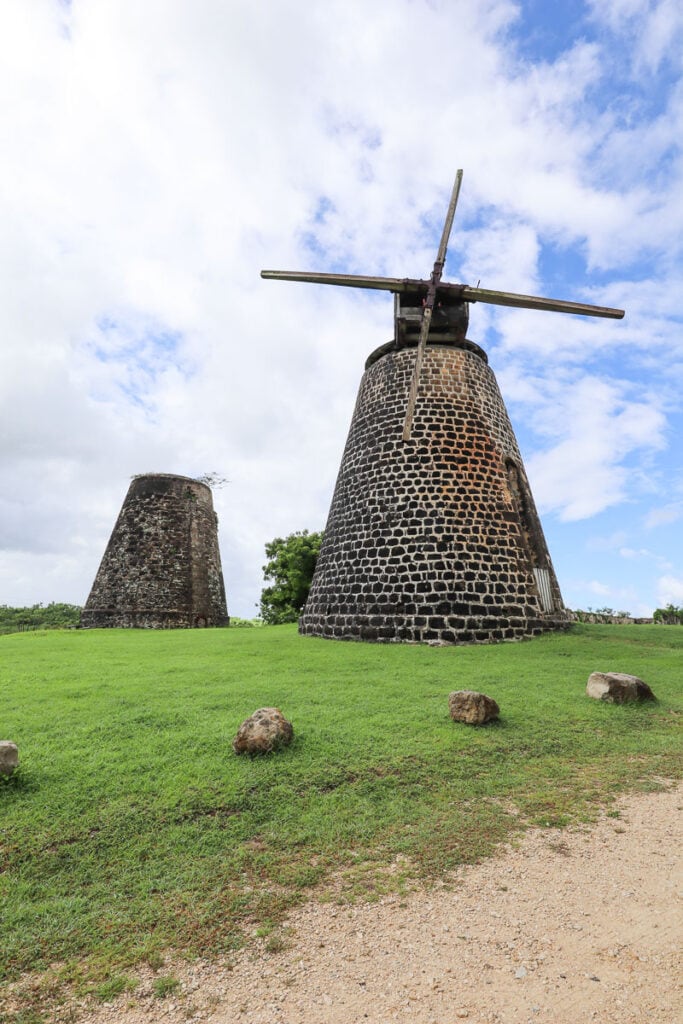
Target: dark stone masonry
[(162, 566), (437, 538)]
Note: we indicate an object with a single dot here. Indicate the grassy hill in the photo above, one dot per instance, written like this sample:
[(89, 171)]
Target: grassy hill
[(131, 827)]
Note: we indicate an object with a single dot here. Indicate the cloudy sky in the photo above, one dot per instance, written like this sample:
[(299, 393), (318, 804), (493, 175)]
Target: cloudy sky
[(156, 154)]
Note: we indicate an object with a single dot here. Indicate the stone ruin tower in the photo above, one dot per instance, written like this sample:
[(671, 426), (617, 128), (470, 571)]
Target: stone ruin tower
[(433, 533), (436, 538), (162, 566)]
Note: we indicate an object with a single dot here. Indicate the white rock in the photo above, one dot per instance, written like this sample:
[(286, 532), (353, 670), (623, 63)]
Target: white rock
[(617, 688), (9, 757)]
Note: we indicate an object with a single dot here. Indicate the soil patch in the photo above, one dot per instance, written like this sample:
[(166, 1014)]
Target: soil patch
[(564, 927)]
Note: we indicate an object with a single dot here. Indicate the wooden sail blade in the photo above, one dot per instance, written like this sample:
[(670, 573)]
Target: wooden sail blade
[(385, 284), (446, 233), (417, 369), (428, 306), (536, 302), (462, 292)]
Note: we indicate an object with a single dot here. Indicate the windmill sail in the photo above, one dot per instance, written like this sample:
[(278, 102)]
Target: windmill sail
[(456, 292), (433, 534)]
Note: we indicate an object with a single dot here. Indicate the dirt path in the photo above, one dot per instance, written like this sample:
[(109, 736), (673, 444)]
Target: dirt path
[(571, 926)]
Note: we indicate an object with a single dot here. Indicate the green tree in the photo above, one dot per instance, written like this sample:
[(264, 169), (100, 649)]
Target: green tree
[(669, 616), (290, 567)]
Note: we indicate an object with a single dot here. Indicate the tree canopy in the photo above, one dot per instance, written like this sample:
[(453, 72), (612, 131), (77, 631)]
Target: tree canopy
[(290, 566), (669, 616), (55, 615)]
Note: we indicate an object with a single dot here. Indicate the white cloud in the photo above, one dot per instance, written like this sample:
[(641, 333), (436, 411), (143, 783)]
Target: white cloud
[(620, 598), (157, 155), (652, 27), (610, 543), (664, 515), (583, 472), (642, 553), (670, 591)]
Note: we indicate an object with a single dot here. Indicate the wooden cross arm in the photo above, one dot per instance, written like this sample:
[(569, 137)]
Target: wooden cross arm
[(456, 292)]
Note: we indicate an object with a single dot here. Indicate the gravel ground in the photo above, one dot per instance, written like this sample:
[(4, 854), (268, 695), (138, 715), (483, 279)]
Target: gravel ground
[(577, 925)]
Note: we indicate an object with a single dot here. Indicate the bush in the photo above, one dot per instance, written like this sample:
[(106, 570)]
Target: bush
[(669, 616), (54, 616)]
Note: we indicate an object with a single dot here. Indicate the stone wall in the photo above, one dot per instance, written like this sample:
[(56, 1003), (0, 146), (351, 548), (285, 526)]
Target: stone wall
[(434, 539), (609, 620), (162, 566)]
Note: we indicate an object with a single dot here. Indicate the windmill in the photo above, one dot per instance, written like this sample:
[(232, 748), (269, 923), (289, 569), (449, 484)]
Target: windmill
[(433, 534), (162, 566)]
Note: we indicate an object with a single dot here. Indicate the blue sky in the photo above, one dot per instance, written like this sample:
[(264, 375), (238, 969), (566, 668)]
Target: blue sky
[(156, 156)]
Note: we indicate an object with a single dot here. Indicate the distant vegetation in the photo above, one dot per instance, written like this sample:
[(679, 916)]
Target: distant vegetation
[(669, 616), (599, 614), (52, 616), (291, 565)]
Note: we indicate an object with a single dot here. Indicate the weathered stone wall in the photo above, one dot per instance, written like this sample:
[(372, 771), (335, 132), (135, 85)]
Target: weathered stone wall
[(607, 620), (437, 538), (162, 566)]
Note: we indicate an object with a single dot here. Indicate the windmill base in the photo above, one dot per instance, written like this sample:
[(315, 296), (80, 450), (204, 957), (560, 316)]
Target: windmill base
[(435, 539), (430, 629), (151, 619)]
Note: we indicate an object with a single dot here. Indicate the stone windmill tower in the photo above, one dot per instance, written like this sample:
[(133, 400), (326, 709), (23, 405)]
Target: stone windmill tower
[(433, 534), (162, 566)]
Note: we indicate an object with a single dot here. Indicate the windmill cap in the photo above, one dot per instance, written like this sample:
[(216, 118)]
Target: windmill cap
[(146, 484)]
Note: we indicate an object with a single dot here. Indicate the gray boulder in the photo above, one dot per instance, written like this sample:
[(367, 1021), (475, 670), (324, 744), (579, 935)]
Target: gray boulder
[(472, 707), (617, 687), (264, 731), (9, 757)]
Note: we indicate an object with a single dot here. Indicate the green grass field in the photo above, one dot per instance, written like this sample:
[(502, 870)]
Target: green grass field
[(131, 827)]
